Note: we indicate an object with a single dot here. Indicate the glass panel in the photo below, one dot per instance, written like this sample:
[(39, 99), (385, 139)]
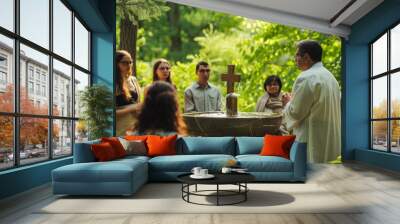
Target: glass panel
[(81, 81), (81, 131), (7, 14), (62, 89), (62, 138), (379, 135), (33, 139), (395, 47), (379, 98), (379, 56), (62, 29), (34, 72), (395, 138), (81, 45), (6, 142), (6, 74), (35, 21), (395, 94)]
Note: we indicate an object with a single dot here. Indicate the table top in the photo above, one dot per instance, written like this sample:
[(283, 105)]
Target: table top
[(220, 178)]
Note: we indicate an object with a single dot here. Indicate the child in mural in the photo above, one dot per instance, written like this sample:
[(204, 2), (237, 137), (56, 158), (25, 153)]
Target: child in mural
[(271, 102)]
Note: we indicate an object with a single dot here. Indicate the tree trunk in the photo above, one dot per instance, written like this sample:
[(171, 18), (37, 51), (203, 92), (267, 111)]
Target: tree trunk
[(128, 38), (173, 18)]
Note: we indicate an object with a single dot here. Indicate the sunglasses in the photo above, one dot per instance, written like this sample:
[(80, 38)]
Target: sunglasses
[(163, 68), (126, 62), (204, 70)]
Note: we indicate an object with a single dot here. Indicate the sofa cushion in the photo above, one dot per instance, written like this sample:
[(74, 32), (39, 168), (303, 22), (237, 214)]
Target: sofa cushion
[(275, 145), (257, 163), (103, 152), (249, 145), (185, 163), (113, 171), (116, 145), (206, 145), (134, 147), (161, 145), (83, 152)]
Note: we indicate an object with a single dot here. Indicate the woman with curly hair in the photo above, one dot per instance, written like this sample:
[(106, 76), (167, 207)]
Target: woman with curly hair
[(160, 114)]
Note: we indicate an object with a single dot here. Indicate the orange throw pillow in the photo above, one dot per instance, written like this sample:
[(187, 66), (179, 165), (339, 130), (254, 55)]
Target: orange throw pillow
[(136, 137), (277, 145), (103, 152), (116, 145), (161, 145)]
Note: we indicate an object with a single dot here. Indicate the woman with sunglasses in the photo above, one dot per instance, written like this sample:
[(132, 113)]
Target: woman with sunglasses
[(127, 93), (161, 72)]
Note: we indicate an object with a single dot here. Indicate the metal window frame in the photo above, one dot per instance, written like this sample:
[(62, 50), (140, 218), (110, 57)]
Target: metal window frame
[(388, 74), (16, 114)]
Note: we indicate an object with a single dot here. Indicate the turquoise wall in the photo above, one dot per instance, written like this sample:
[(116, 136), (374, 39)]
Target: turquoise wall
[(356, 126), (99, 15)]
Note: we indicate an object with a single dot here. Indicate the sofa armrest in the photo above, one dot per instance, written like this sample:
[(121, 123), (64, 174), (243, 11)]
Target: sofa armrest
[(83, 152), (298, 155)]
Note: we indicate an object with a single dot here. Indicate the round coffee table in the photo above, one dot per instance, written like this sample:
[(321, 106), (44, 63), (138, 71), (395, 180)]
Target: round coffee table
[(238, 179)]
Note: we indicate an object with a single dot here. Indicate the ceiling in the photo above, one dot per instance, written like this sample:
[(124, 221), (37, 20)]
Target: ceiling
[(325, 16)]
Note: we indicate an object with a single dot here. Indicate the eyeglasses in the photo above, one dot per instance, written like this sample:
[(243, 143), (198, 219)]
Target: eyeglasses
[(126, 62), (204, 70), (164, 68)]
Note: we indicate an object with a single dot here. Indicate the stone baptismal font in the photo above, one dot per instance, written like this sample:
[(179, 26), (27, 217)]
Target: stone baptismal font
[(232, 122)]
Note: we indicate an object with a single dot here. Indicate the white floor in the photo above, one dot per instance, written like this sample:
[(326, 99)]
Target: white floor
[(377, 189)]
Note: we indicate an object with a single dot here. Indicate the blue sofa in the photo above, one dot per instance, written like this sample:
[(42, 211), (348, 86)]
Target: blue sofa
[(125, 176)]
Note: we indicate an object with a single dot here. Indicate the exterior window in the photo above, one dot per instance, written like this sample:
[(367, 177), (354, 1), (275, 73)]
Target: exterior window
[(3, 61), (3, 72), (56, 126), (43, 90), (30, 87), (385, 94), (30, 72), (38, 89), (3, 78)]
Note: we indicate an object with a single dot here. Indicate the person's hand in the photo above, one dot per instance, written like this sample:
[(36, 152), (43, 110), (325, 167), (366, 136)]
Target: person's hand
[(286, 98)]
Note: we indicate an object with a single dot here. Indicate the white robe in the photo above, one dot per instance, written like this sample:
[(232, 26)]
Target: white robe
[(314, 113)]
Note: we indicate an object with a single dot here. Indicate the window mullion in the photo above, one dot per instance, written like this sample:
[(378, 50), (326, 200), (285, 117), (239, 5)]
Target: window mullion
[(16, 84), (389, 104), (73, 82), (50, 81)]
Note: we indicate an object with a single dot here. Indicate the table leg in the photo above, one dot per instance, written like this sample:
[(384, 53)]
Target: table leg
[(245, 193), (188, 190), (196, 188), (217, 194)]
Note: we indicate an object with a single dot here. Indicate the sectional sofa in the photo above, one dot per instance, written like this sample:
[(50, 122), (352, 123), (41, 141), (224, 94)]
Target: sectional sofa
[(125, 176)]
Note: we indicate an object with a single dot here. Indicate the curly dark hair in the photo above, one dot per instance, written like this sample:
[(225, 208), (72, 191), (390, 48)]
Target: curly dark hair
[(160, 110)]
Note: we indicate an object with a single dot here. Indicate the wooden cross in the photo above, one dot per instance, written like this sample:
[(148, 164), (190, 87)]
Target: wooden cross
[(230, 78)]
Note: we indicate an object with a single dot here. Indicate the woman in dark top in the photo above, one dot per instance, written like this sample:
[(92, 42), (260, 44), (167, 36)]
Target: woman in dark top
[(127, 93)]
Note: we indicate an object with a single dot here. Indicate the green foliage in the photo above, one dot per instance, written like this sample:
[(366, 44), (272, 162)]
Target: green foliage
[(157, 35), (96, 104), (258, 49), (140, 10)]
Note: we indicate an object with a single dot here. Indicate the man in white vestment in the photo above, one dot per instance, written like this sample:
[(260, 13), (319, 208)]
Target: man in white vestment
[(313, 109)]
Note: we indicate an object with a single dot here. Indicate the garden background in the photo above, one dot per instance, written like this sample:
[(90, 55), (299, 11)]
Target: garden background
[(184, 35)]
